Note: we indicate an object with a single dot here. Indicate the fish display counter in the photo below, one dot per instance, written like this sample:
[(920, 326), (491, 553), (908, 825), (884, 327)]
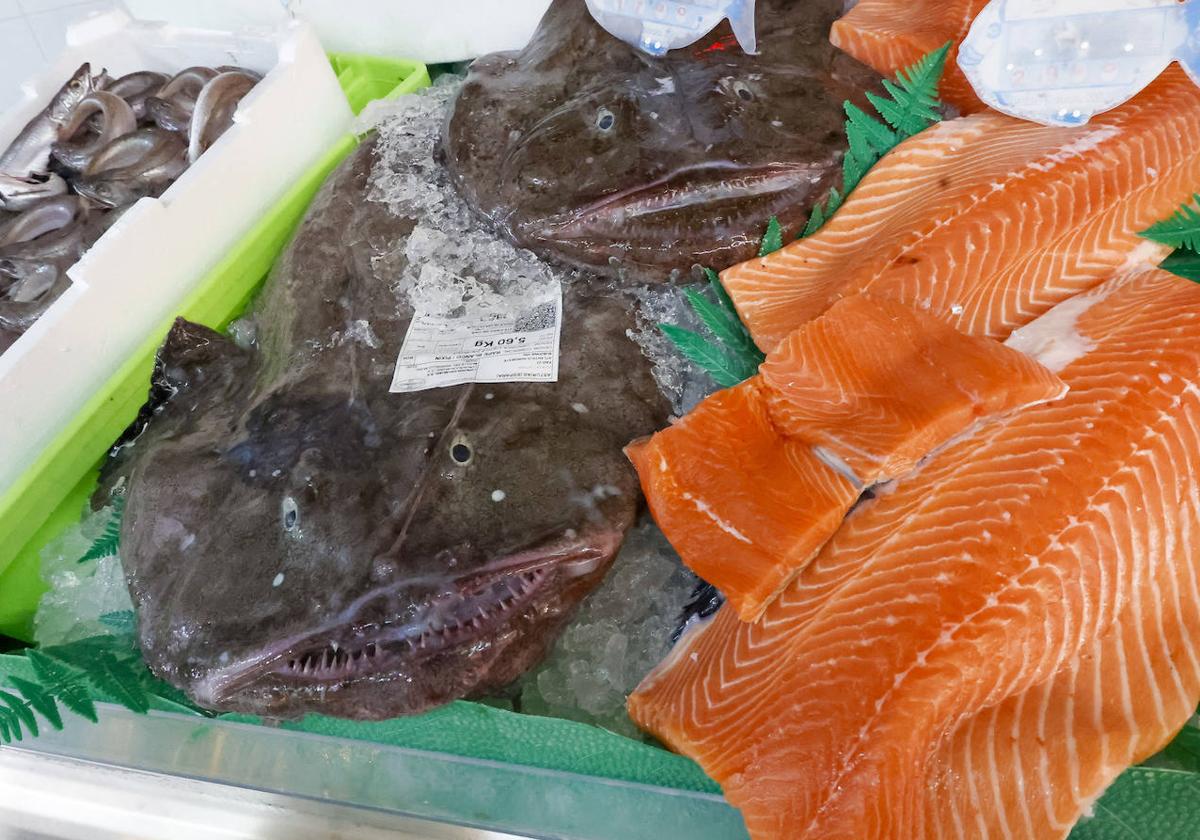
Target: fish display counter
[(730, 420)]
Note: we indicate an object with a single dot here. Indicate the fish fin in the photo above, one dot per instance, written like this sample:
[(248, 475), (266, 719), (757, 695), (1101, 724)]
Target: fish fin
[(742, 21), (189, 355)]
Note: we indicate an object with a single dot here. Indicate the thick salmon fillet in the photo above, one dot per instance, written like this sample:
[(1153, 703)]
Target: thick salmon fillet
[(988, 221), (751, 484), (990, 643), (890, 35)]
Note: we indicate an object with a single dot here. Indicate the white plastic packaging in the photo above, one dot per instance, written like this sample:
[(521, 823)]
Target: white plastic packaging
[(137, 275), (447, 30), (657, 26), (1061, 62)]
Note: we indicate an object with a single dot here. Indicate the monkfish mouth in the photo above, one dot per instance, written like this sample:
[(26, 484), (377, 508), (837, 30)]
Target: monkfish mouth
[(700, 196), (460, 617)]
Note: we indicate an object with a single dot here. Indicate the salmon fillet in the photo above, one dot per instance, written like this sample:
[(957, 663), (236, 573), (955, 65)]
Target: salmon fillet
[(751, 484), (988, 221), (890, 35), (980, 651)]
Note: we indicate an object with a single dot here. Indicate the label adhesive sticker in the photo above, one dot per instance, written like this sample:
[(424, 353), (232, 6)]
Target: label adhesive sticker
[(1061, 62), (487, 347)]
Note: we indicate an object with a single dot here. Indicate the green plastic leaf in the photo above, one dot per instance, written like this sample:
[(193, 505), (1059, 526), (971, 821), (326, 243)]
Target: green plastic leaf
[(122, 622), (836, 198), (722, 320), (9, 728), (773, 240), (109, 542), (913, 105), (41, 701), (119, 680), (1184, 751), (716, 362), (853, 171), (1184, 263), (868, 137), (1181, 230), (1145, 803), (722, 296), (716, 319), (21, 710), (815, 222), (63, 683)]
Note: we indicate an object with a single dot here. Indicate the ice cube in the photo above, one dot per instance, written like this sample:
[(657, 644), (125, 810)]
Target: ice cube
[(80, 593), (621, 632)]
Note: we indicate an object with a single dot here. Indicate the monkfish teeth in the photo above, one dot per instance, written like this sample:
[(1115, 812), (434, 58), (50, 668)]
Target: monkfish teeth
[(457, 619)]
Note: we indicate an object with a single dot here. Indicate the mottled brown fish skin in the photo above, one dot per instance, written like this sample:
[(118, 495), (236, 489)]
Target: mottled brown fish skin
[(298, 539)]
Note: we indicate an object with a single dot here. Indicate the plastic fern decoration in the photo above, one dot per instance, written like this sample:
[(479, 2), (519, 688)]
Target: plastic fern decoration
[(74, 676), (910, 107), (63, 683), (1182, 230), (1183, 263), (109, 542), (733, 357), (773, 239)]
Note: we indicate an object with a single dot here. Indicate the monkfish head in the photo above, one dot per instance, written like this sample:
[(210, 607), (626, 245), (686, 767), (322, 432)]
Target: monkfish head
[(585, 149), (302, 547)]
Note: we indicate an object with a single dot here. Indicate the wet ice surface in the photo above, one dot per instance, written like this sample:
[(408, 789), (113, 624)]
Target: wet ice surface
[(682, 382), (451, 263), (622, 630), (79, 593)]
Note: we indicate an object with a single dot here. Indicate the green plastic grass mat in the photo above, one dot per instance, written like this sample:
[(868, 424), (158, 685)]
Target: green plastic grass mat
[(474, 730)]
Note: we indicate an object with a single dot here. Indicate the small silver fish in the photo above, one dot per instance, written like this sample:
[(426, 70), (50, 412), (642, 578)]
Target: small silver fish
[(29, 154), (171, 108), (33, 274), (215, 109), (116, 119), (140, 164), (19, 194), (128, 150), (132, 83), (245, 71), (136, 88), (169, 115), (46, 216)]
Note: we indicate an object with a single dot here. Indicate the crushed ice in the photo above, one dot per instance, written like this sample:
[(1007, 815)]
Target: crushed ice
[(451, 263), (621, 632), (80, 595)]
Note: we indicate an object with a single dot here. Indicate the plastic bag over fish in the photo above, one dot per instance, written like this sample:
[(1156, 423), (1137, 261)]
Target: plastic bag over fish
[(657, 26), (1061, 62)]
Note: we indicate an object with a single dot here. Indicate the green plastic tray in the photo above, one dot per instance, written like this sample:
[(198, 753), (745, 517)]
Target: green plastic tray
[(49, 497)]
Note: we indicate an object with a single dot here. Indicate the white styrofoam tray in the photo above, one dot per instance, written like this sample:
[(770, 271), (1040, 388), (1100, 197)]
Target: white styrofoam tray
[(432, 31), (148, 262)]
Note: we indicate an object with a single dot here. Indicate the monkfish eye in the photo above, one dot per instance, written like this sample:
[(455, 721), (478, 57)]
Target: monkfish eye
[(743, 91), (291, 513), (605, 120), (461, 452)]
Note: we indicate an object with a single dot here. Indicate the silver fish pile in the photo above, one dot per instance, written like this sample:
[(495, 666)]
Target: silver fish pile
[(95, 149)]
